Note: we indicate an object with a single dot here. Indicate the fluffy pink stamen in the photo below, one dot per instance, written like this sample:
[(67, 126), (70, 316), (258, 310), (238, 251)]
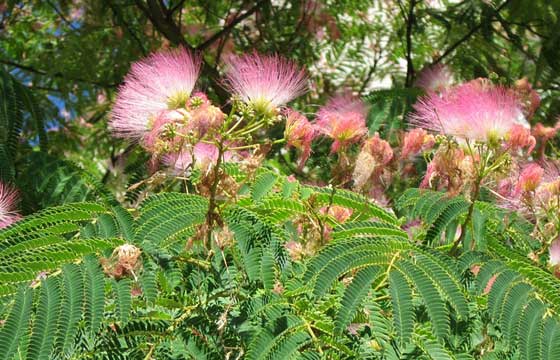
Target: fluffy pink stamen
[(269, 80), (203, 154), (9, 198), (343, 119), (475, 110), (151, 86), (434, 78)]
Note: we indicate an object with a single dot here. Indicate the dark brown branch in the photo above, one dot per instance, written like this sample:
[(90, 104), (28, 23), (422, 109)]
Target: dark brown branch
[(410, 19), (468, 35), (128, 28), (172, 32), (175, 8), (165, 26), (57, 75), (229, 27), (61, 15)]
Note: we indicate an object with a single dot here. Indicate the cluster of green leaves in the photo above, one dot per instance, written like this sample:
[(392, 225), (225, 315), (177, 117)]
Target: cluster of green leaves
[(371, 292)]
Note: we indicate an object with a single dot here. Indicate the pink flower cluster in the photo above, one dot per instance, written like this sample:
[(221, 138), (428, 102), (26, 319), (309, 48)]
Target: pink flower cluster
[(156, 106), (265, 82)]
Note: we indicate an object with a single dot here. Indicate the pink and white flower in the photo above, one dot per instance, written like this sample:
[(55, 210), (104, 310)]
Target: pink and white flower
[(434, 78), (8, 201), (265, 82), (162, 81), (476, 110), (343, 119)]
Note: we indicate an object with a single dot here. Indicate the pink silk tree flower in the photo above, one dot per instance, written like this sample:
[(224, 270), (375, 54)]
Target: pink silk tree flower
[(476, 110), (160, 137), (204, 116), (339, 213), (343, 119), (434, 78), (554, 252), (8, 202), (299, 133), (265, 81), (162, 81)]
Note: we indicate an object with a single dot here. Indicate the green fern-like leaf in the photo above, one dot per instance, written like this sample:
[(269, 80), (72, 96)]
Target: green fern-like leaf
[(45, 322), (16, 323), (403, 312), (354, 295)]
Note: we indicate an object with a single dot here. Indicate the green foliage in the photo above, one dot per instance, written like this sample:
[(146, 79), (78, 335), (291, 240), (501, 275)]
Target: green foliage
[(263, 270), (17, 107)]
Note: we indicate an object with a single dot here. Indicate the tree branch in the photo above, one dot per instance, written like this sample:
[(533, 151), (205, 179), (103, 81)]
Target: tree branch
[(468, 35), (229, 27), (410, 19), (57, 75), (121, 19), (172, 32)]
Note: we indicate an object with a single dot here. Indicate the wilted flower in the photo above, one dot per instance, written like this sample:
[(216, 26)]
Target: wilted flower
[(343, 119), (299, 133), (375, 154), (449, 168), (125, 260), (8, 203), (295, 250), (476, 110), (434, 78), (163, 81), (544, 133), (265, 82), (339, 213), (416, 141)]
